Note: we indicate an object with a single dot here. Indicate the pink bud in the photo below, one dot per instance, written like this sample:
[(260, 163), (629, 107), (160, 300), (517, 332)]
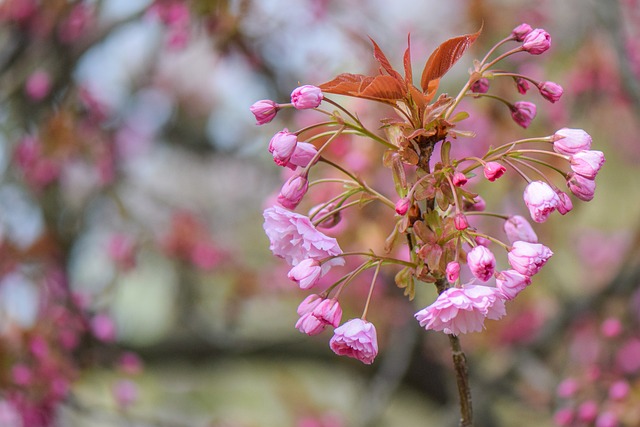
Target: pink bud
[(482, 262), (581, 187), (306, 273), (567, 388), (460, 221), (550, 91), (510, 283), (303, 154), (536, 42), (563, 417), (402, 206), (480, 86), (264, 111), (619, 390), (293, 191), (523, 113), (540, 199), (493, 170), (528, 258), (306, 96), (565, 205), (479, 206), (331, 220), (310, 324), (521, 31), (611, 327), (453, 271), (482, 241), (329, 312), (588, 411), (518, 228), (308, 304), (570, 141), (282, 146), (587, 163), (459, 179), (103, 327), (522, 85), (607, 419), (38, 85)]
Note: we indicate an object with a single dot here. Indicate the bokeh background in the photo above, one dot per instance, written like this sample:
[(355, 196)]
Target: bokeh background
[(136, 283)]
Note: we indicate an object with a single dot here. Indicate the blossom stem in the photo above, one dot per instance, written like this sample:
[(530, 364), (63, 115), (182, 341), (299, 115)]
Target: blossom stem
[(500, 58), (318, 155), (510, 145), (493, 214), (379, 258), (493, 49), (493, 239), (336, 210), (517, 169), (373, 284)]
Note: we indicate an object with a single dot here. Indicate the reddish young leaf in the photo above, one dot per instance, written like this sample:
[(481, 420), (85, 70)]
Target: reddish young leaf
[(408, 73), (379, 88), (344, 84), (445, 55), (384, 62)]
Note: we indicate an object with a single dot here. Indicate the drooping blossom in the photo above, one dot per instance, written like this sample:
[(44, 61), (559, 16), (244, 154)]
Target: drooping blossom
[(293, 191), (356, 338), (294, 238), (528, 258), (264, 111), (518, 228), (459, 179), (302, 155), (565, 204), (541, 200), (521, 31), (510, 283), (523, 113), (550, 91), (308, 304), (581, 187), (536, 42), (570, 141), (453, 271), (282, 146), (482, 262), (310, 324), (306, 273), (493, 170), (522, 85), (328, 312), (461, 310), (306, 96), (587, 163), (480, 86)]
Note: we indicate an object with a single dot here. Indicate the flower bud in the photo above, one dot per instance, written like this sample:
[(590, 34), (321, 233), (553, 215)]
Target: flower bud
[(310, 324), (460, 221), (570, 141), (282, 146), (581, 187), (264, 111), (587, 163), (293, 191), (328, 312), (522, 85), (550, 91), (38, 85), (588, 411), (309, 303), (482, 262), (480, 86), (541, 200), (528, 258), (330, 221), (479, 206), (402, 206), (482, 241), (459, 179), (302, 155), (521, 31), (306, 96), (493, 170), (565, 205), (536, 42), (510, 283), (523, 113), (518, 228), (306, 273), (453, 271)]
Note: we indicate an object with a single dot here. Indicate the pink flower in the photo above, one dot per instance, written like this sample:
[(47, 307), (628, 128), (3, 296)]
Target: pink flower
[(103, 327), (619, 390), (294, 238), (357, 339), (521, 31), (306, 273), (528, 258), (480, 86), (462, 310), (627, 356), (567, 388), (510, 283), (550, 91), (479, 206), (587, 163), (453, 271), (306, 96), (331, 220), (482, 241), (302, 155), (563, 417), (493, 170), (518, 228), (565, 205), (523, 113), (308, 304), (570, 141), (588, 411), (264, 111), (282, 146), (536, 42), (611, 327), (459, 179), (328, 312), (482, 262), (293, 191), (460, 221), (38, 85), (402, 206), (607, 419), (541, 200), (581, 187), (310, 324), (522, 85)]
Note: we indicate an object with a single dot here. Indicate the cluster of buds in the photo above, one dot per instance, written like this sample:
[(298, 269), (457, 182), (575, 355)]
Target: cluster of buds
[(432, 207)]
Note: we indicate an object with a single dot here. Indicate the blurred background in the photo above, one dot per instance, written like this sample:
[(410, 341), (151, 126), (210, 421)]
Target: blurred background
[(136, 283)]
